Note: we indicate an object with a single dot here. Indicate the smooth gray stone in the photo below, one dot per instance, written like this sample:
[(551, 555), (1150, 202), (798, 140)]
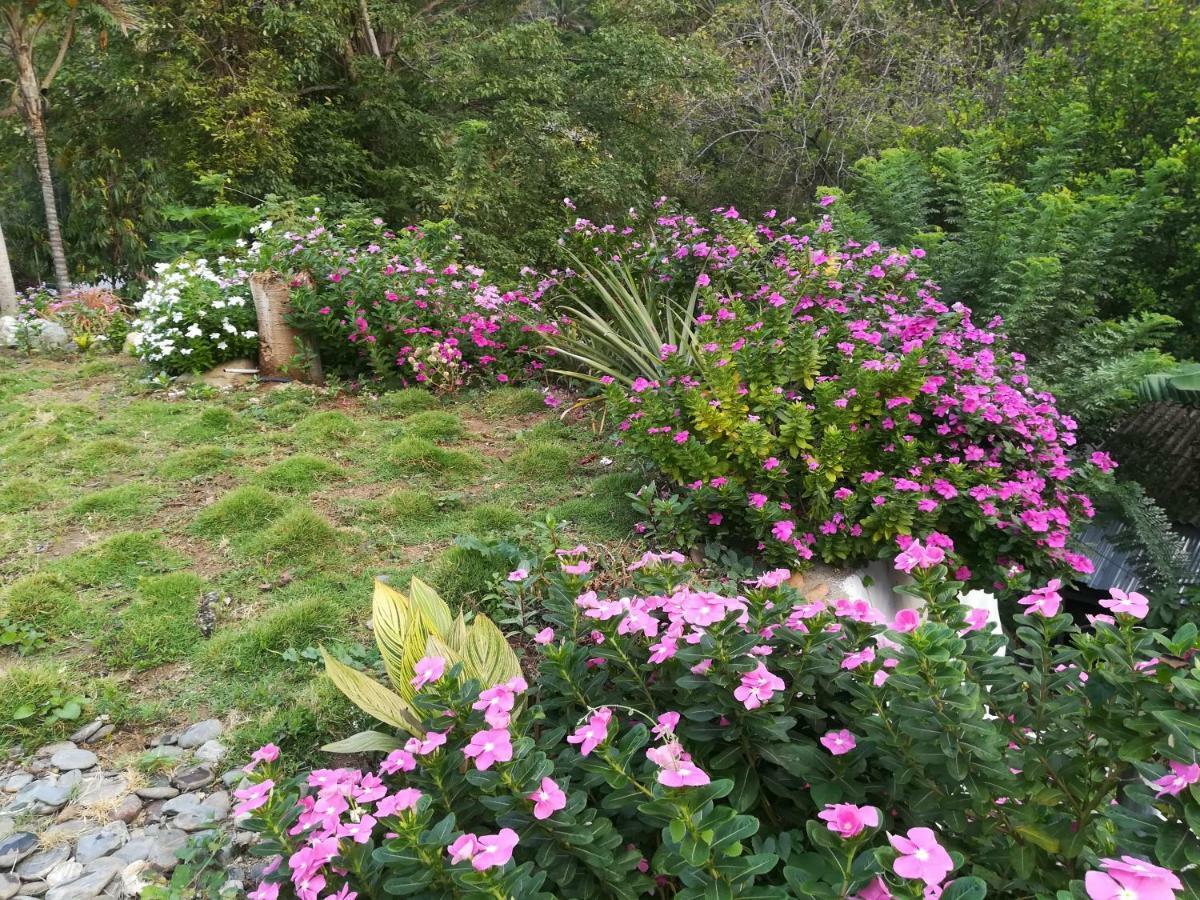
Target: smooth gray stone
[(9, 885), (157, 844), (97, 789), (74, 758), (38, 866), (51, 749), (109, 839), (16, 847), (87, 732), (193, 778), (200, 733), (16, 781), (166, 751), (157, 791), (128, 809), (210, 752), (94, 880), (184, 803)]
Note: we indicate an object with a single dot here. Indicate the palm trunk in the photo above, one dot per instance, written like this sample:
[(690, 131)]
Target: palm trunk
[(8, 288), (29, 94)]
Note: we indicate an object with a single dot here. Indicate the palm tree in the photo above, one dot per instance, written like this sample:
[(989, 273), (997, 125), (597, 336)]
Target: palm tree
[(22, 25)]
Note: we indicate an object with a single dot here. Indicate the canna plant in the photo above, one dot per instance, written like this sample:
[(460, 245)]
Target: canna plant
[(409, 628), (749, 743)]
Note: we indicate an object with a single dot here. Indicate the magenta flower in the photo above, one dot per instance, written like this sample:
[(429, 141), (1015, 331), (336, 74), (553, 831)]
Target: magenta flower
[(265, 753), (579, 568), (398, 802), (488, 747), (906, 620), (1131, 604), (547, 799), (848, 820), (666, 724), (757, 687), (1180, 777), (876, 889), (518, 574), (396, 761), (676, 768), (1130, 878), (428, 669), (360, 831), (268, 890), (494, 849), (593, 734), (783, 530), (1045, 601), (828, 200), (252, 797), (921, 856), (839, 742), (916, 556), (463, 847), (772, 579), (976, 618), (545, 636)]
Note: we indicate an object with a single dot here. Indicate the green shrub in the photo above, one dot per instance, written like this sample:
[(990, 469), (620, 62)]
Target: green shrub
[(246, 508), (44, 601), (492, 518)]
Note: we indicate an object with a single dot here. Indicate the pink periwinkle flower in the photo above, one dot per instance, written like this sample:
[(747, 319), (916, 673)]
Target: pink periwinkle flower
[(921, 856), (428, 670), (1131, 604), (876, 889), (1130, 878), (839, 742), (547, 799), (757, 687), (579, 568), (906, 620), (848, 820), (265, 753), (676, 768), (593, 734), (518, 575), (403, 799), (253, 796), (916, 556), (1044, 601), (494, 849), (488, 747), (545, 636), (1180, 777)]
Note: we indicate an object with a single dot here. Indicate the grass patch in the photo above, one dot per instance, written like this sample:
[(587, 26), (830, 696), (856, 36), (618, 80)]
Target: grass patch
[(300, 473), (414, 507), (21, 494), (504, 402), (435, 425), (300, 537), (103, 455), (212, 422), (461, 576), (30, 695), (491, 518), (188, 464), (243, 509), (406, 402), (35, 442), (44, 601), (413, 455), (545, 460), (120, 561), (255, 648), (159, 626), (120, 503), (327, 429)]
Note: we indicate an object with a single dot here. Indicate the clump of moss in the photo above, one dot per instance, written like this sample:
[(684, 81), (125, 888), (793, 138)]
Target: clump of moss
[(120, 503), (416, 507), (406, 402), (20, 494), (44, 601), (545, 460), (434, 425), (212, 422), (300, 473), (243, 509), (327, 429), (188, 464), (299, 537), (411, 455), (120, 561), (160, 625)]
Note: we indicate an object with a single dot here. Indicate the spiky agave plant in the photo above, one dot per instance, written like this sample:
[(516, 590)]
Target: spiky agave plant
[(620, 327), (407, 628)]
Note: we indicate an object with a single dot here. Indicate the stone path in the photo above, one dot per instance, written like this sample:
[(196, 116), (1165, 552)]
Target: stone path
[(72, 829)]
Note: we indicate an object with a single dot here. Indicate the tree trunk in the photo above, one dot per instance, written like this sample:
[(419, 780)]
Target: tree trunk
[(8, 288), (278, 342), (29, 92)]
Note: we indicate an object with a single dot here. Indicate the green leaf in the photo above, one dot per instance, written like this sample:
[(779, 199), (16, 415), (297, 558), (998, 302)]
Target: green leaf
[(365, 742), (370, 696), (968, 888)]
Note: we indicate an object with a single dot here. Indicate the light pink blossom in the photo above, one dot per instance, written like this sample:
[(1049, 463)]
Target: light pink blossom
[(921, 856)]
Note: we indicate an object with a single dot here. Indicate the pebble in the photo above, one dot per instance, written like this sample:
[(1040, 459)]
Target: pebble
[(38, 866), (233, 778), (101, 734), (16, 847), (184, 803), (158, 791), (166, 751), (16, 781), (95, 879), (200, 733), (157, 844), (87, 732), (193, 778), (109, 839), (73, 758), (98, 789), (7, 826), (128, 809), (9, 885), (51, 749), (68, 831), (210, 752)]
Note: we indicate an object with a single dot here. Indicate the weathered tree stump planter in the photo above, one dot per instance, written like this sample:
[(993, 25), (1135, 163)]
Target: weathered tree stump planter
[(283, 352)]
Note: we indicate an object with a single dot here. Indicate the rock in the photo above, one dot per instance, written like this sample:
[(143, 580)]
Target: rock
[(7, 824), (95, 879), (166, 739), (210, 752), (156, 844), (9, 885), (64, 873), (46, 335), (233, 778), (158, 790), (201, 733), (193, 778), (8, 331), (68, 831), (212, 811), (128, 809), (74, 758), (16, 847), (184, 803), (165, 751), (54, 794), (97, 789), (109, 839), (50, 749), (35, 889), (16, 781), (101, 734), (38, 866), (87, 732)]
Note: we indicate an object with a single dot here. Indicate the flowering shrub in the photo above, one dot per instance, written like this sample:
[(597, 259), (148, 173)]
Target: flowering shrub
[(690, 743), (90, 316), (830, 401), (401, 305), (193, 316)]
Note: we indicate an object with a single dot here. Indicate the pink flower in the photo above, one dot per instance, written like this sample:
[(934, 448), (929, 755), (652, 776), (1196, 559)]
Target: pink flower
[(252, 797), (494, 849), (487, 747), (547, 799), (827, 200), (344, 894), (877, 889), (463, 847), (1131, 604), (676, 768), (758, 501), (398, 802), (1045, 601), (1177, 779), (921, 856), (681, 437), (770, 463), (432, 740), (783, 530), (428, 669), (666, 724), (772, 579), (1102, 461), (976, 618), (594, 733), (839, 742), (906, 620), (1130, 878), (545, 636), (518, 574), (916, 556), (265, 753), (579, 568), (848, 820), (757, 687), (360, 831), (715, 518), (268, 890), (396, 761), (703, 280)]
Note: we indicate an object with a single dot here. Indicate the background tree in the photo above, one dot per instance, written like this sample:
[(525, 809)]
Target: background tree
[(8, 288)]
